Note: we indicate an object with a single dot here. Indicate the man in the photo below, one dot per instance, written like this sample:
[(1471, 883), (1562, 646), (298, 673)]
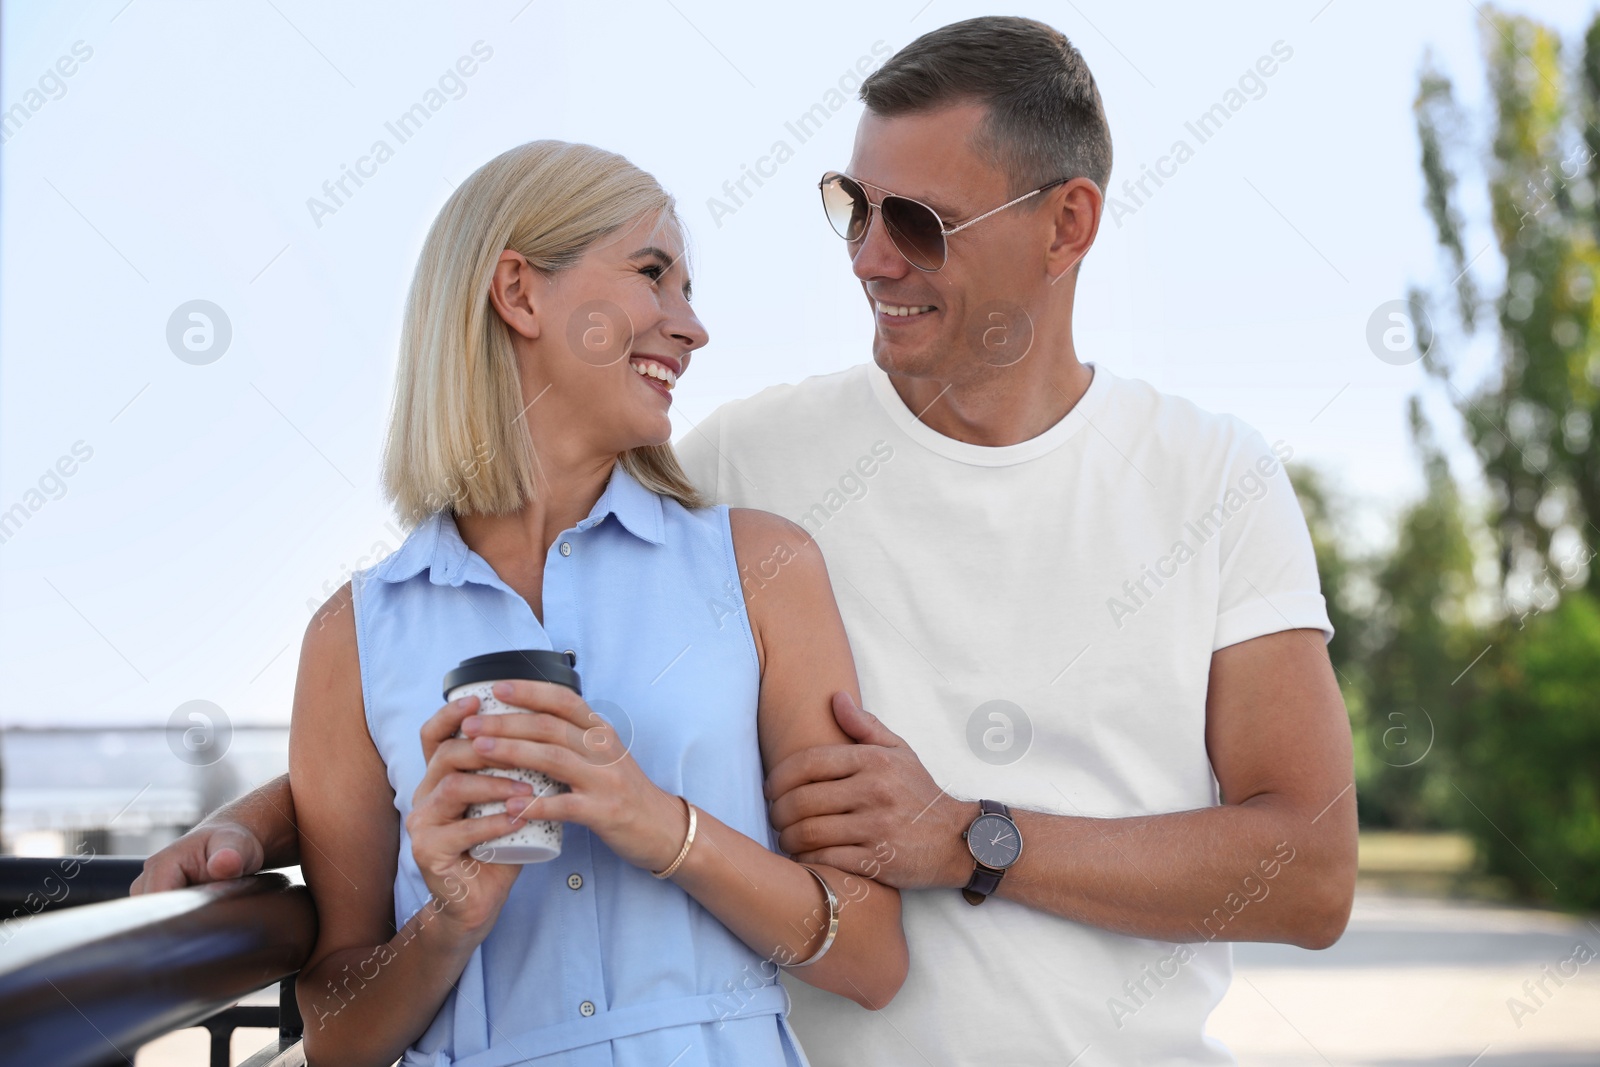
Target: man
[(1107, 739)]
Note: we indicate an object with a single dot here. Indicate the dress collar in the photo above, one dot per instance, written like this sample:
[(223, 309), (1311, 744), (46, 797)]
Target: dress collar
[(436, 545)]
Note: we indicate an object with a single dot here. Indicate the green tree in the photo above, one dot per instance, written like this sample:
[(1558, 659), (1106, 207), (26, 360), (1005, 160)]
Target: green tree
[(1531, 422), (1521, 743), (1420, 634), (1529, 778), (1401, 625)]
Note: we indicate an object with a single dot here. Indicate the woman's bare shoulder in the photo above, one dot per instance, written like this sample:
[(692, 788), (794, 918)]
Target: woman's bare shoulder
[(328, 699), (329, 649), (760, 535)]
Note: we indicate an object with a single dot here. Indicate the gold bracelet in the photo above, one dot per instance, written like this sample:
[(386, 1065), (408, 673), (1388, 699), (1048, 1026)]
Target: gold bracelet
[(687, 841), (833, 923)]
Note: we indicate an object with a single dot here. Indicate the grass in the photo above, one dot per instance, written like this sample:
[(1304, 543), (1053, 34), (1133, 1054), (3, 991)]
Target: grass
[(1434, 864), (1395, 852)]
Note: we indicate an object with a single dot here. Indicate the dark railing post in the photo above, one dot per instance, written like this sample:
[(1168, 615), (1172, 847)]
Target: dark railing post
[(290, 1026), (221, 1046)]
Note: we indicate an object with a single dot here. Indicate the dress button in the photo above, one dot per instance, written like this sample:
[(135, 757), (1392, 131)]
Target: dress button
[(574, 881), (566, 548), (586, 1009)]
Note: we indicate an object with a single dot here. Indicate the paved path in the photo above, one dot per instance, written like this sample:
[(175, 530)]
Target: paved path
[(1421, 983)]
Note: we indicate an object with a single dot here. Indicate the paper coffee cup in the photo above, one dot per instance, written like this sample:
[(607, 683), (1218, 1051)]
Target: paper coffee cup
[(538, 840)]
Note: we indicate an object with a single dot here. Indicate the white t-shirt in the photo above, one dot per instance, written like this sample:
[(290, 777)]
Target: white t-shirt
[(1037, 621)]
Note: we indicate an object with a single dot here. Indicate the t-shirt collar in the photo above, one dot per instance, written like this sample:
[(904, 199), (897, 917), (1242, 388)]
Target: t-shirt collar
[(921, 433)]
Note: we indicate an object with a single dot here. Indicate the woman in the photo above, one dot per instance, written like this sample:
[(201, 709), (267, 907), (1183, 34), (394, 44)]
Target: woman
[(547, 324)]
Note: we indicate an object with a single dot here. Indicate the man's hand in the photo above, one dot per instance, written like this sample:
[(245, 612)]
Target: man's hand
[(211, 852), (870, 807)]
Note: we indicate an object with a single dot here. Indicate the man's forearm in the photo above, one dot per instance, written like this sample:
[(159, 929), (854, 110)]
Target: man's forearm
[(268, 812), (1263, 870)]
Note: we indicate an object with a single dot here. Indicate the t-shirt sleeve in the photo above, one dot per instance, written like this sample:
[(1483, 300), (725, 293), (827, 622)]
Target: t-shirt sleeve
[(699, 454), (1268, 579)]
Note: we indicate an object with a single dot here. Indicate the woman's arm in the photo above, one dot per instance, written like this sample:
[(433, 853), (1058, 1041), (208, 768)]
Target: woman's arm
[(769, 901), (805, 658), (368, 991)]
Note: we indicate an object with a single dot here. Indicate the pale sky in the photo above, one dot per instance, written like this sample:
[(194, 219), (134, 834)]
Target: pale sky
[(208, 503)]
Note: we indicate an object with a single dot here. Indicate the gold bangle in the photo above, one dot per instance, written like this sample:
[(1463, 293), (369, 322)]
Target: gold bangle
[(833, 923), (688, 840)]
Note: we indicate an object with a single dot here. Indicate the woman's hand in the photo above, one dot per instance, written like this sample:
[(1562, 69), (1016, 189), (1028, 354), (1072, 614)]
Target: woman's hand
[(468, 893), (569, 741)]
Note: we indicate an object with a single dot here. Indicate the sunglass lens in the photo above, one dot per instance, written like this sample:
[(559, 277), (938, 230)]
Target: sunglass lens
[(916, 231), (846, 205)]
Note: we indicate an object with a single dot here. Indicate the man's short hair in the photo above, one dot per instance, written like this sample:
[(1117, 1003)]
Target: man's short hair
[(1045, 117)]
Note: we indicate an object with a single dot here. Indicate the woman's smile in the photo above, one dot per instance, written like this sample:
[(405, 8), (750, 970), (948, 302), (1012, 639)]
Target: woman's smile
[(659, 373)]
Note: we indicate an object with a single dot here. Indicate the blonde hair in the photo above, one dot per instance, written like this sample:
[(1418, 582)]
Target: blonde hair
[(456, 436)]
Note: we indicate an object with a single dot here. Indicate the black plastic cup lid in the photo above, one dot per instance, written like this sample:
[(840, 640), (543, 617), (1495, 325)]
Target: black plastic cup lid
[(533, 664)]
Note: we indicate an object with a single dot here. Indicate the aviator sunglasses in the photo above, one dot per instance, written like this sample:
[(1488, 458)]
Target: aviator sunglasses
[(915, 228)]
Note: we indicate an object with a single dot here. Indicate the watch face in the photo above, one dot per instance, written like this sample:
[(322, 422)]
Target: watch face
[(994, 841)]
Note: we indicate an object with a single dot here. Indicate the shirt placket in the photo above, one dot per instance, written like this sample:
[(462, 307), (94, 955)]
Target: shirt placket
[(583, 977)]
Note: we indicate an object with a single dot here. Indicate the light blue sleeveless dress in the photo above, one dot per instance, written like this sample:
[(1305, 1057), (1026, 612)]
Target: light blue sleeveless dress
[(592, 961)]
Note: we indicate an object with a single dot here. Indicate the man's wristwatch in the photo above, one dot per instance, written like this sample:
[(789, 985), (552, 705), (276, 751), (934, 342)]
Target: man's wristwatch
[(995, 843)]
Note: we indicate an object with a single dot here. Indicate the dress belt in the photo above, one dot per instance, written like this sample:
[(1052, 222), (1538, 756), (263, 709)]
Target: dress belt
[(621, 1022)]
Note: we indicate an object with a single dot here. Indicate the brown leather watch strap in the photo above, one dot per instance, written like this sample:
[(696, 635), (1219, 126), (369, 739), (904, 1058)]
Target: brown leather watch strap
[(985, 880)]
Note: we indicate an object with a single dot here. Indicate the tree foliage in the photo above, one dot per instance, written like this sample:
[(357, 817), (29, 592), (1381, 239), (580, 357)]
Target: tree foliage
[(1531, 423), (1472, 675)]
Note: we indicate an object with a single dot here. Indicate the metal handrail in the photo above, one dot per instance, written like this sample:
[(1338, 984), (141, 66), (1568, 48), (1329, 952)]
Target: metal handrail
[(85, 987), (32, 884)]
